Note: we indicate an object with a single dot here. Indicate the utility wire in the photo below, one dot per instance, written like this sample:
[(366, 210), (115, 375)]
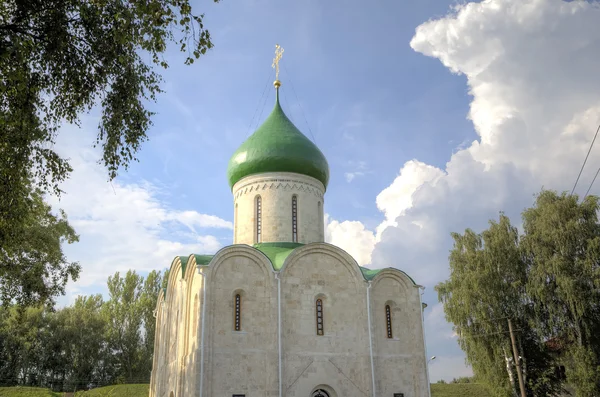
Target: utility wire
[(262, 109), (584, 161), (299, 104), (289, 104), (591, 184), (259, 102)]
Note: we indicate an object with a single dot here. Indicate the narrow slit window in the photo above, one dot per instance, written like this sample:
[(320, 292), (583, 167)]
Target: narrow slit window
[(319, 306), (388, 320), (237, 322), (258, 219), (295, 219), (235, 223), (320, 215)]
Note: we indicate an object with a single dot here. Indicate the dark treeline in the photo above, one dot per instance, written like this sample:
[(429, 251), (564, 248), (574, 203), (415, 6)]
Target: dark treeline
[(91, 343)]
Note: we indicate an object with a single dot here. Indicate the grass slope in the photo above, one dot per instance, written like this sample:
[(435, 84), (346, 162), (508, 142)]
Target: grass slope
[(27, 392), (459, 390), (117, 391), (437, 390)]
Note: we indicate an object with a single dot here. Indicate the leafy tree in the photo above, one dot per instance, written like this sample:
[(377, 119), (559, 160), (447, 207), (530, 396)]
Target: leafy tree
[(562, 248), (91, 343), (85, 328), (33, 268), (147, 302), (487, 286), (59, 58)]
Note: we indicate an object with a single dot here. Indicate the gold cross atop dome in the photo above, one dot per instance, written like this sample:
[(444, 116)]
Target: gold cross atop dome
[(278, 54)]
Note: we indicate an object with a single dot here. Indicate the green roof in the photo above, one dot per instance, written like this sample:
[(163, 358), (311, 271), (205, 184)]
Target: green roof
[(369, 274), (277, 252), (278, 146), (203, 260), (184, 261)]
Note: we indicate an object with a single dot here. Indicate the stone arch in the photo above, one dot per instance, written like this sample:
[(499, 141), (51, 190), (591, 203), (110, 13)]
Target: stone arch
[(241, 250), (323, 391), (407, 284), (174, 275), (326, 249), (256, 279), (190, 269)]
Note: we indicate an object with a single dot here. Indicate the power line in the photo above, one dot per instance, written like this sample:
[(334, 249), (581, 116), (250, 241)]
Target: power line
[(262, 109), (289, 104), (259, 101), (591, 184), (584, 161), (299, 104)]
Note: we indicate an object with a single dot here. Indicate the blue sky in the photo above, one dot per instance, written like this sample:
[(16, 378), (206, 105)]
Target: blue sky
[(434, 117), (350, 72)]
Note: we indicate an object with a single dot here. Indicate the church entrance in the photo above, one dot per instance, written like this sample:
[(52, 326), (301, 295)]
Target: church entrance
[(323, 391)]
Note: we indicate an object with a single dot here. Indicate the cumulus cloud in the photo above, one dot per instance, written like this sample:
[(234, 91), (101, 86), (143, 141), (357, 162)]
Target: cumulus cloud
[(122, 225), (397, 198), (351, 236), (531, 68)]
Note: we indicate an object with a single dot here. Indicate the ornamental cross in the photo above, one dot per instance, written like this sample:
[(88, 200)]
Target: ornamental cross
[(278, 54)]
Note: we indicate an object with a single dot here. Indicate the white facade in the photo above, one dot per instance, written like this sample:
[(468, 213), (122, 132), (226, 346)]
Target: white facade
[(371, 343), (270, 197)]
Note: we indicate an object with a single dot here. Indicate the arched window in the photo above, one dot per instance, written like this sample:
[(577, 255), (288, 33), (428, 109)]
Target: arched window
[(388, 320), (195, 323), (295, 219), (319, 307), (320, 215), (235, 223), (258, 219), (237, 320)]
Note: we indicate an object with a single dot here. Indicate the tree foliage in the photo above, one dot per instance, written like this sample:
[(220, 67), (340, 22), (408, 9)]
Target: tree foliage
[(562, 247), (546, 281), (91, 343), (33, 267), (59, 58)]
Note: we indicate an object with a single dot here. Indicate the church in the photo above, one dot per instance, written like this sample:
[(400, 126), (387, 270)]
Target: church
[(280, 312)]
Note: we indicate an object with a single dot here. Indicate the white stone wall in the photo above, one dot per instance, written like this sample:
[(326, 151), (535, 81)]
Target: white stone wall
[(400, 361), (241, 362), (340, 358), (247, 362), (276, 190)]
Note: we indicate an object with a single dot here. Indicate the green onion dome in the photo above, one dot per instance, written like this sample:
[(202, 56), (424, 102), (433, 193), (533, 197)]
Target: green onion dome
[(277, 146)]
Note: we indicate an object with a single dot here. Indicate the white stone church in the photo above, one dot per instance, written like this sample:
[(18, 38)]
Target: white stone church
[(280, 312)]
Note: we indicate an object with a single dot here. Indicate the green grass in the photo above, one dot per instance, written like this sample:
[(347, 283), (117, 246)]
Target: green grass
[(437, 390), (459, 390), (27, 392), (117, 391)]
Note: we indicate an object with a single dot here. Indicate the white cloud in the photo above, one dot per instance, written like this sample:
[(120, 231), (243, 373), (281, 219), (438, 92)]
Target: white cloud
[(397, 198), (351, 236), (351, 175), (531, 67), (122, 225)]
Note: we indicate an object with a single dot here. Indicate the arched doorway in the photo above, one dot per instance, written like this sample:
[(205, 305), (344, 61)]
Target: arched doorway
[(323, 391)]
